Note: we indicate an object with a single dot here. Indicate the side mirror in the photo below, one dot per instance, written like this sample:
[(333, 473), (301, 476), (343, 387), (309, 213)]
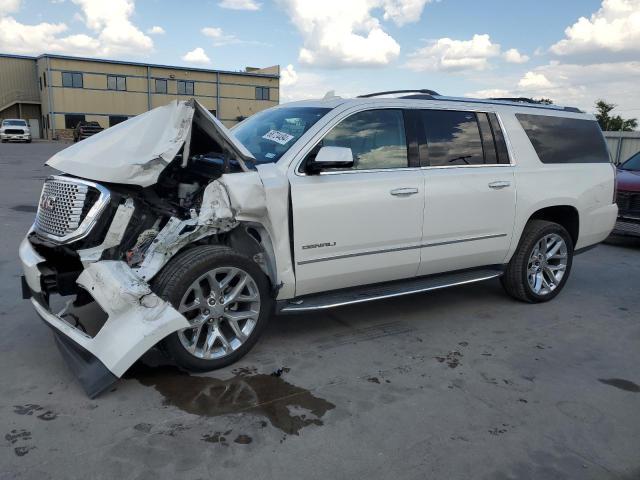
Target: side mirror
[(329, 158)]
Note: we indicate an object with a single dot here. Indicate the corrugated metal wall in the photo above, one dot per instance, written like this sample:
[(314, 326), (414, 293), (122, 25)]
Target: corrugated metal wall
[(18, 81), (622, 145)]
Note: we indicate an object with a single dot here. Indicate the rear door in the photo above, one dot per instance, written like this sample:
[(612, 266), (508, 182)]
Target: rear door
[(361, 225), (470, 191)]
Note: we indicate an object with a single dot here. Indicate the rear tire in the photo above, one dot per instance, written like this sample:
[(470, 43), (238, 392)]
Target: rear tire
[(194, 283), (541, 264)]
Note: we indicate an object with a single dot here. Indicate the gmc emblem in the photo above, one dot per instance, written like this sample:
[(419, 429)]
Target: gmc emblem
[(48, 203)]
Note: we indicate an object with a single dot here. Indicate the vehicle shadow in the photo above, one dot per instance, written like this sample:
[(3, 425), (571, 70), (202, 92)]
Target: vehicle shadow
[(623, 241)]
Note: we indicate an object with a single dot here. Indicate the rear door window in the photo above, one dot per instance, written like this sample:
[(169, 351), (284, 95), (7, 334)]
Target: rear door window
[(453, 138), (565, 140)]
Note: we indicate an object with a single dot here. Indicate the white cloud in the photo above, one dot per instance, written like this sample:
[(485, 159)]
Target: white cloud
[(9, 6), (514, 56), (288, 76), (340, 33), (114, 33), (156, 30), (534, 81), (220, 38), (454, 55), (614, 28), (197, 55), (575, 85), (489, 93), (212, 32), (403, 11), (240, 4), (111, 22)]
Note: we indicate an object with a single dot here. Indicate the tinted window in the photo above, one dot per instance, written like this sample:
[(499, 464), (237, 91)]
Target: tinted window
[(565, 140), (72, 79), (488, 145), (632, 164), (453, 138), (161, 86), (70, 121), (270, 133), (376, 139)]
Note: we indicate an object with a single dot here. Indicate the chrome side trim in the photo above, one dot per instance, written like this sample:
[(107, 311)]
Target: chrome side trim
[(294, 308), (92, 215), (399, 249)]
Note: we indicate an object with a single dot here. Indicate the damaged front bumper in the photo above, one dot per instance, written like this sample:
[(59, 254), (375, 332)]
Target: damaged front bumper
[(137, 319)]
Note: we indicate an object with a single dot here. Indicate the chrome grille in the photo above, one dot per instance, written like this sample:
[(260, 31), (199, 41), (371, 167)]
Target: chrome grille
[(68, 208)]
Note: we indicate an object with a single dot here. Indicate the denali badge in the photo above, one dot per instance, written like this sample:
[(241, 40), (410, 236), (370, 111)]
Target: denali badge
[(48, 202), (319, 245)]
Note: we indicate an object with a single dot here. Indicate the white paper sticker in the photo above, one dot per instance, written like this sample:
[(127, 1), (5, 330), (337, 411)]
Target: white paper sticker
[(278, 137), (269, 155)]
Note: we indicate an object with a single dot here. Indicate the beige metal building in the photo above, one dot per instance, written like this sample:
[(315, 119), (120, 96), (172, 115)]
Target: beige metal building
[(55, 92)]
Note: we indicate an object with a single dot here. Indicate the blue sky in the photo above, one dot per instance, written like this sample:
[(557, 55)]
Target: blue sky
[(573, 51)]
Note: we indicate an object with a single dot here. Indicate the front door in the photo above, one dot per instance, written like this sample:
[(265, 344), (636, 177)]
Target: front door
[(362, 225)]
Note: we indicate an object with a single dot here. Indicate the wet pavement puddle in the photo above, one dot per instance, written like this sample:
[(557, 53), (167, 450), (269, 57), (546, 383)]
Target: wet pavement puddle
[(287, 407)]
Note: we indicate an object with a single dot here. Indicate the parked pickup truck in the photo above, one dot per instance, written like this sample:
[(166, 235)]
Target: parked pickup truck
[(170, 230), (85, 130)]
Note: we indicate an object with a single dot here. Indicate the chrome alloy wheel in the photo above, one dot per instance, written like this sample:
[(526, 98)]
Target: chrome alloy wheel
[(222, 307), (547, 264)]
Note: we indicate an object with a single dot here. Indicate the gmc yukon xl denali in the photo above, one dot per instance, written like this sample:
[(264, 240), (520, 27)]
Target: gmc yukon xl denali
[(169, 230)]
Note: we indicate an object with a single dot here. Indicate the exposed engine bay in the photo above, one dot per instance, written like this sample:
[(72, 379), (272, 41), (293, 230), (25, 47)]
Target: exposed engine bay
[(106, 227)]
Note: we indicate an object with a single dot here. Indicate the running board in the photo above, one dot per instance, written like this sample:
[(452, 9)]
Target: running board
[(349, 296)]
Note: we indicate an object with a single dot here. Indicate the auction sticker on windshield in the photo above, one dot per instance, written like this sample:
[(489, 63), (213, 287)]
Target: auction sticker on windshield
[(278, 137)]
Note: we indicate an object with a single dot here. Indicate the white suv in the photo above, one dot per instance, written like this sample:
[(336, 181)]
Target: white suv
[(15, 129), (170, 229)]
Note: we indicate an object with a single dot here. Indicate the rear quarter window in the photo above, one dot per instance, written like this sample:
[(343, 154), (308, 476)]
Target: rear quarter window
[(565, 140)]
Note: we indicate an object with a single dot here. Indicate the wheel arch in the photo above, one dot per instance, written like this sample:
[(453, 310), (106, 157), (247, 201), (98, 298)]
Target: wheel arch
[(565, 215)]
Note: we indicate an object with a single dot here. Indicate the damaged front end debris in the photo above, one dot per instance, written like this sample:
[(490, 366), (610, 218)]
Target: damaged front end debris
[(132, 198)]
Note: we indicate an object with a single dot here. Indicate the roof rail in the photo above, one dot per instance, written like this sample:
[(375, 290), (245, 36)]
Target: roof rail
[(425, 94), (423, 91), (518, 99)]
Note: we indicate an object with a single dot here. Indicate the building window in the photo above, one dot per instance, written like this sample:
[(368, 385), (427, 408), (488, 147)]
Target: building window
[(40, 83), (72, 120), (72, 79), (185, 87), (116, 83), (116, 119), (161, 86), (44, 78), (262, 93)]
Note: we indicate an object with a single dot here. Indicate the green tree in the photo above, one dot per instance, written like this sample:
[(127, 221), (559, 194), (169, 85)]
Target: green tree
[(613, 123)]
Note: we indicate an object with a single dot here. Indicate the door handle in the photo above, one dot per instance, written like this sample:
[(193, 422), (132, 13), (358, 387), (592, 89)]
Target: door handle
[(499, 185), (403, 192)]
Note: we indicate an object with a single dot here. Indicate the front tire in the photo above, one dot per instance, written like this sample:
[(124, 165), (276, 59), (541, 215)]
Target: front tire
[(225, 297), (541, 265)]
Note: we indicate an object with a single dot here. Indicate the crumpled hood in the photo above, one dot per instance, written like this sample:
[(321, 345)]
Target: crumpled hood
[(136, 151)]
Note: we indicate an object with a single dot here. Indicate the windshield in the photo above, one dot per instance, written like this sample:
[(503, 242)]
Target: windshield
[(632, 164), (19, 123), (270, 133)]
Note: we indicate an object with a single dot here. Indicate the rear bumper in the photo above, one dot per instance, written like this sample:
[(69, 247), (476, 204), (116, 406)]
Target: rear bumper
[(137, 319)]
